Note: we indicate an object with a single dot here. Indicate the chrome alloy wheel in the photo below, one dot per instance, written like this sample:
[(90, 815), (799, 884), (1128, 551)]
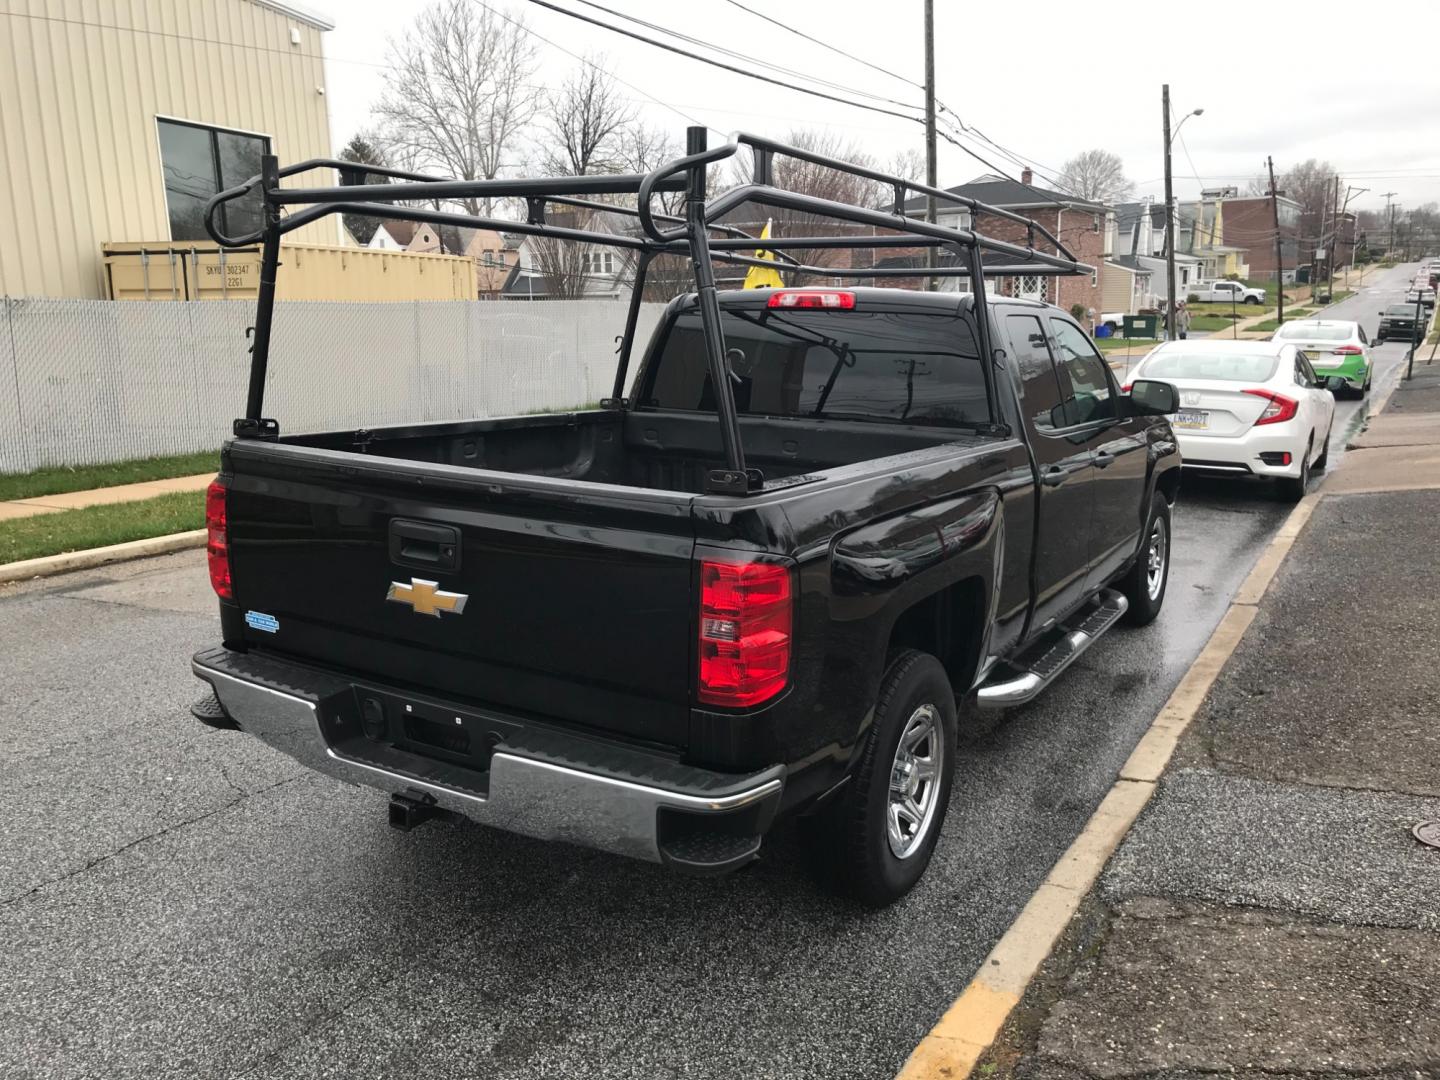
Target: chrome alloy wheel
[(915, 782), (1155, 556)]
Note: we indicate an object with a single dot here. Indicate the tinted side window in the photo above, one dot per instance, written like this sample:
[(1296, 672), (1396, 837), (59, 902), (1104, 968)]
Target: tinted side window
[(1039, 387), (1084, 378), (899, 367)]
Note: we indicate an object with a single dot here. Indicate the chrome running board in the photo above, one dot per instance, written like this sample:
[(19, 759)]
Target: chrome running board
[(1074, 639)]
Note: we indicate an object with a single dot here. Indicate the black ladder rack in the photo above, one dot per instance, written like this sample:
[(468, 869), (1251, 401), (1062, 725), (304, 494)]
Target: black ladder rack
[(699, 234)]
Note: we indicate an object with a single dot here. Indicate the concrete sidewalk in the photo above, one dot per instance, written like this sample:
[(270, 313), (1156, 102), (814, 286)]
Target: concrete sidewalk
[(1271, 914), (78, 500)]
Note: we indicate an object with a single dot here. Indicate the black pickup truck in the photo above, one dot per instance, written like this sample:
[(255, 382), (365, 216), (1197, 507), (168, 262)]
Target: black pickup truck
[(593, 627)]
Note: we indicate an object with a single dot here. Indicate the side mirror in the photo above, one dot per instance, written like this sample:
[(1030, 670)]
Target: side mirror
[(1334, 383), (1150, 397)]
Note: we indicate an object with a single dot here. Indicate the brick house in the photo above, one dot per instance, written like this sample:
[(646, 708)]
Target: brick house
[(1250, 223), (1081, 225)]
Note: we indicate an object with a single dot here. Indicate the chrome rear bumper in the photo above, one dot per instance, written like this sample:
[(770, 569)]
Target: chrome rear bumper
[(619, 805)]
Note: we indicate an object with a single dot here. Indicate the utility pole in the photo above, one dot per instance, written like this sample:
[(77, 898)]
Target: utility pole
[(1169, 222), (1279, 247), (932, 172), (1390, 213), (1335, 227)]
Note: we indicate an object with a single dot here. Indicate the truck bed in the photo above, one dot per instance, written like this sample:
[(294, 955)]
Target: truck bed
[(665, 451)]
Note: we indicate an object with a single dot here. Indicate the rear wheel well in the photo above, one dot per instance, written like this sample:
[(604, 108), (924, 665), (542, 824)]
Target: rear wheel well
[(950, 626), (1169, 485)]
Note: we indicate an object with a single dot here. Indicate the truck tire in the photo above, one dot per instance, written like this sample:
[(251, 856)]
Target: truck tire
[(883, 827), (1251, 300), (1144, 584)]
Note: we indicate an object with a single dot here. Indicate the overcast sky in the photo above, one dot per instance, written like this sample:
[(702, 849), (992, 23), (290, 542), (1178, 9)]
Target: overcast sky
[(1045, 79)]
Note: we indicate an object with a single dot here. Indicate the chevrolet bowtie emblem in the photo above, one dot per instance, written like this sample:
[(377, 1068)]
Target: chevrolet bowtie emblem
[(426, 597)]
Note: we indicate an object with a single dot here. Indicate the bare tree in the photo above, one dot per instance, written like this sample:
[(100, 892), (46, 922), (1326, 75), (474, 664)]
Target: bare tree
[(459, 91), (820, 181), (1098, 176), (907, 164), (570, 269), (586, 120)]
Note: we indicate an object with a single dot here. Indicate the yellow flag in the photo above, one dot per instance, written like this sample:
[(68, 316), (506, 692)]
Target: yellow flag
[(764, 277)]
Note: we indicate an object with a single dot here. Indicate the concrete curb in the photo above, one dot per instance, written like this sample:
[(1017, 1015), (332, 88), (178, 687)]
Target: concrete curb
[(102, 556), (972, 1023)]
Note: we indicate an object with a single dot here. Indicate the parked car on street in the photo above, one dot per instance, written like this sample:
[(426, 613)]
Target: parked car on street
[(1336, 347), (1226, 292), (1422, 294), (1398, 323), (1247, 408), (820, 533)]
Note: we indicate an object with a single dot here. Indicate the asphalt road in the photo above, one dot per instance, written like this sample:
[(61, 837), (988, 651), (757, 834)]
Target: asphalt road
[(180, 902)]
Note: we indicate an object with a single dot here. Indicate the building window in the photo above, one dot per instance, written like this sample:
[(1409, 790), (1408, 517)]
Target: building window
[(602, 262), (489, 259), (1034, 287), (200, 162)]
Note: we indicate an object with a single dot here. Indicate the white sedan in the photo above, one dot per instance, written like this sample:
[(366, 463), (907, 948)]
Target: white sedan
[(1251, 408)]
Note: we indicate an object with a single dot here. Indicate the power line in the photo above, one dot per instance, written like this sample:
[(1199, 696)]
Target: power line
[(1017, 158), (825, 45), (779, 82), (592, 64), (734, 54), (713, 62)]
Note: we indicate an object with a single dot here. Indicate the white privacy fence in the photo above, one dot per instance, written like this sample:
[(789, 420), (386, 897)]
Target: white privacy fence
[(84, 382)]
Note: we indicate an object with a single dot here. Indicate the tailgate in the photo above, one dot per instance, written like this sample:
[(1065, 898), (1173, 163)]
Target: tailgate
[(577, 598)]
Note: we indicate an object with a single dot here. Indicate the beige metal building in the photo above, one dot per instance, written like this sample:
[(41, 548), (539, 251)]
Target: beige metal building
[(119, 120)]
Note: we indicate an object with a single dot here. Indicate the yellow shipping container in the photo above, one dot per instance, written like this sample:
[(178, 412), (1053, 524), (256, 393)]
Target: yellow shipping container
[(191, 270)]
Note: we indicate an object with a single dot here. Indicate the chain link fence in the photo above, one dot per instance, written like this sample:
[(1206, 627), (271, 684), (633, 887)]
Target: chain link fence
[(96, 381)]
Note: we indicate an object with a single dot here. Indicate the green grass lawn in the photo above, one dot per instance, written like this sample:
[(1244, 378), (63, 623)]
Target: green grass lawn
[(1242, 311), (53, 481), (97, 526), (1211, 323)]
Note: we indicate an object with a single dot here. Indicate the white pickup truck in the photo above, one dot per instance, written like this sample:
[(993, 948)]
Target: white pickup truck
[(1222, 291)]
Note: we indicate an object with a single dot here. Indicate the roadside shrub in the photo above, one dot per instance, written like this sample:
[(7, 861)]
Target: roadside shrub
[(1077, 312)]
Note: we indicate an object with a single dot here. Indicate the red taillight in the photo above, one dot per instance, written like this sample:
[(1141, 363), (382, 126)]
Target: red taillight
[(745, 615), (1280, 409), (1348, 350), (812, 298), (217, 540), (1126, 388)]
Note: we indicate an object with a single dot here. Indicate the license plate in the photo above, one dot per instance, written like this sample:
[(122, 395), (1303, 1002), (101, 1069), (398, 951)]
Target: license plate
[(1192, 418)]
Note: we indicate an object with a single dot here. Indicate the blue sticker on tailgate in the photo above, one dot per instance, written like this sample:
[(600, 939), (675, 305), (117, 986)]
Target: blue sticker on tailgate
[(258, 620)]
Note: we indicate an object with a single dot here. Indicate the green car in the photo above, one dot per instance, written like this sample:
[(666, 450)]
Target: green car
[(1335, 348)]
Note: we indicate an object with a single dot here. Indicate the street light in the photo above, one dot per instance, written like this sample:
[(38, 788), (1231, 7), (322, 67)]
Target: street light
[(1170, 211)]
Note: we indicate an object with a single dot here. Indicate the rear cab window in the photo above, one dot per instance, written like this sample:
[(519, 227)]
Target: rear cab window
[(887, 367)]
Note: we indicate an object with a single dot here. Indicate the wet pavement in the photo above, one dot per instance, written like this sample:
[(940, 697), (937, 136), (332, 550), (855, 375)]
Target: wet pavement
[(182, 902)]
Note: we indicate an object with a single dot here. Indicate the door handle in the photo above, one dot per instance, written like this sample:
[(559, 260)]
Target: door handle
[(423, 545), (1054, 476), (1104, 459)]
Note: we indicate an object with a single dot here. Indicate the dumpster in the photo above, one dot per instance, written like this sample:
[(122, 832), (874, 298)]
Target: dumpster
[(1141, 326)]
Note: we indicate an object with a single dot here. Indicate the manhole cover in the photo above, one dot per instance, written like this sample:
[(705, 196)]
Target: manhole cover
[(1428, 832)]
